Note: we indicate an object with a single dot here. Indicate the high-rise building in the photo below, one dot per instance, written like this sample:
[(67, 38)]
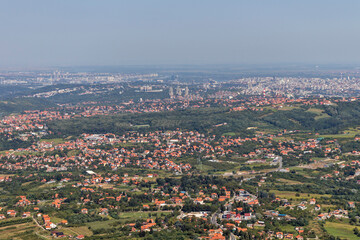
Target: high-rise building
[(186, 92), (171, 92), (178, 91)]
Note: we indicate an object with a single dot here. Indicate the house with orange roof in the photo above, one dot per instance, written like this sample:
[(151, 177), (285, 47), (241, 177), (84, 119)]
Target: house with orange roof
[(64, 222), (11, 213), (280, 235), (216, 234), (288, 236), (26, 215), (104, 211), (351, 204)]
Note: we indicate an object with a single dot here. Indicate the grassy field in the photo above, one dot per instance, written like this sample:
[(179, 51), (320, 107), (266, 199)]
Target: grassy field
[(106, 185), (101, 224), (288, 194), (125, 217), (229, 134), (288, 228), (141, 126), (3, 152), (349, 133), (6, 175), (17, 153), (75, 231), (332, 207), (132, 216), (20, 231), (203, 167), (287, 108), (342, 230), (320, 114), (56, 220), (298, 169), (283, 138), (288, 182)]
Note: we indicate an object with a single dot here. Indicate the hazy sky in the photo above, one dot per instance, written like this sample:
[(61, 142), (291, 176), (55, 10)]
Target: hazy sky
[(119, 32)]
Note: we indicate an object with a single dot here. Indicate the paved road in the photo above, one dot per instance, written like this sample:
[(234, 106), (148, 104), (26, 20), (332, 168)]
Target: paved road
[(232, 236), (279, 159), (38, 223), (214, 219)]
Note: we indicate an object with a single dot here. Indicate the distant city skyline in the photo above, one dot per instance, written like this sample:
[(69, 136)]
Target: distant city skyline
[(42, 33)]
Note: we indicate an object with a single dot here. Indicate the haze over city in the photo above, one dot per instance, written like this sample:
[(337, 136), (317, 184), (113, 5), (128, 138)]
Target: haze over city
[(43, 33)]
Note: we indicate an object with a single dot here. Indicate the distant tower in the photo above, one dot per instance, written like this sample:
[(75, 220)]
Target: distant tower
[(178, 91), (186, 92), (171, 92), (55, 76), (249, 84)]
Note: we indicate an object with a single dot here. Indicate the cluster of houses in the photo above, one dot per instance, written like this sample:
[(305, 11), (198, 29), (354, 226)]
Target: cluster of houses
[(232, 218), (339, 213)]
